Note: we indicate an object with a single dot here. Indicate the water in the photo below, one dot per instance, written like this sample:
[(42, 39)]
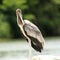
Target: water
[(19, 50)]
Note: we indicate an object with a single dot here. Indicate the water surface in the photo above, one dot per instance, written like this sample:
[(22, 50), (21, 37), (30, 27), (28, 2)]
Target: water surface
[(18, 50)]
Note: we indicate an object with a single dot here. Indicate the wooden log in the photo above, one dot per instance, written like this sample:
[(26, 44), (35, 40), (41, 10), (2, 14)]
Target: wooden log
[(46, 57)]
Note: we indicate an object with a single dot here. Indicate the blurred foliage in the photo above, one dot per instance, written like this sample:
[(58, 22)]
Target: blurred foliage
[(47, 15), (44, 13)]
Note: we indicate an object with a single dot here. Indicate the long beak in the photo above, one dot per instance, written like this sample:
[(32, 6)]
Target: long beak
[(19, 17)]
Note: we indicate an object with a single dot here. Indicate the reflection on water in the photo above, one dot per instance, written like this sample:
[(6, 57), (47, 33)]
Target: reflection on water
[(19, 50)]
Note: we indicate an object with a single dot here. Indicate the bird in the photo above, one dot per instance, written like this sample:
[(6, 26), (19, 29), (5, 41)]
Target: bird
[(30, 31)]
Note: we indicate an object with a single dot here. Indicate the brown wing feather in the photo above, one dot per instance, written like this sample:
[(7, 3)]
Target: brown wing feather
[(34, 33)]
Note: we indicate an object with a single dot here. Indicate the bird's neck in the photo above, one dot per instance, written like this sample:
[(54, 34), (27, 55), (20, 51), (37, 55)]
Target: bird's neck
[(20, 20)]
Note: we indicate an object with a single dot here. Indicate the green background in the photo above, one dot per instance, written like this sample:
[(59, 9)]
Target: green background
[(43, 13)]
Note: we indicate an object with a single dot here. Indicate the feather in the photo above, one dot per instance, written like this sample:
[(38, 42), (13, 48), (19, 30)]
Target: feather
[(32, 31)]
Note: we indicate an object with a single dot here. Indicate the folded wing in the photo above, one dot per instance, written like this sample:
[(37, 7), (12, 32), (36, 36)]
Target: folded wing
[(32, 31)]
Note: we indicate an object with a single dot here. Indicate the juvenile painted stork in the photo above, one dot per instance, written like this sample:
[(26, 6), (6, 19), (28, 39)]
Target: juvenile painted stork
[(31, 32)]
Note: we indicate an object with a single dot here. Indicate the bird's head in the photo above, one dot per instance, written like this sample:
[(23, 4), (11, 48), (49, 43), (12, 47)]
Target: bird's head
[(18, 11), (19, 17)]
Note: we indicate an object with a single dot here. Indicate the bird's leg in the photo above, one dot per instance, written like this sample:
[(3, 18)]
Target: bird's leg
[(29, 41), (30, 51)]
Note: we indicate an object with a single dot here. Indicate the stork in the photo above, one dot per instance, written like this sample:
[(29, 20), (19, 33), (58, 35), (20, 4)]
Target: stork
[(31, 32)]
